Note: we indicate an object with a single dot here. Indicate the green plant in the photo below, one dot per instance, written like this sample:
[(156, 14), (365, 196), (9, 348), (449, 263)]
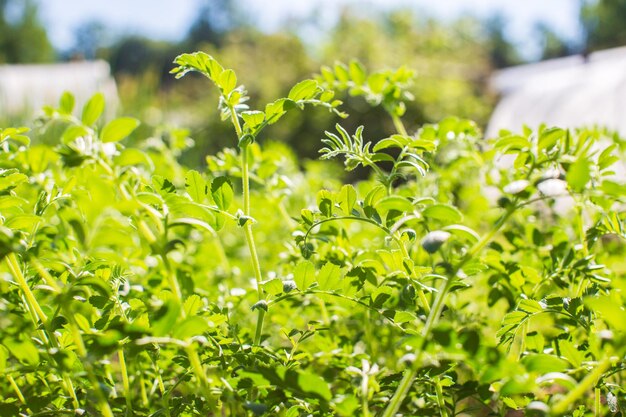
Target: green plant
[(465, 277)]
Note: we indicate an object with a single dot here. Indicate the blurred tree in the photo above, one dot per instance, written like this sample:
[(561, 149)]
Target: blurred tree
[(89, 38), (502, 52), (135, 55), (604, 23), (214, 20), (552, 45), (23, 38)]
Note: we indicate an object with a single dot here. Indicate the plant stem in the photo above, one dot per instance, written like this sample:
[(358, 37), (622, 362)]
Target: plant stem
[(245, 176), (33, 305), (435, 313), (198, 370), (142, 390), (365, 406), (103, 403), (125, 381), (397, 123), (16, 388), (589, 381), (37, 314), (173, 282), (440, 400)]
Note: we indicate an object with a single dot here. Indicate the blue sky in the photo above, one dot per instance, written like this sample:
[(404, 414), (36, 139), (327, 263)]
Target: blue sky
[(169, 19)]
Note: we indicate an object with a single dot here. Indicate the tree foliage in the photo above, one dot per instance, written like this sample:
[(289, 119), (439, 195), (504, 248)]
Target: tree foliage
[(603, 22), (23, 37)]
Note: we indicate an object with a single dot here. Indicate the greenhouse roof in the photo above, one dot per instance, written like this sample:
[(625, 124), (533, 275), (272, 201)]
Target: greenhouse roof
[(571, 92), (25, 89)]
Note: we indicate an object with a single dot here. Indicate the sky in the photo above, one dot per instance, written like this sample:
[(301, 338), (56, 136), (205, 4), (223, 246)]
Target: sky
[(169, 19)]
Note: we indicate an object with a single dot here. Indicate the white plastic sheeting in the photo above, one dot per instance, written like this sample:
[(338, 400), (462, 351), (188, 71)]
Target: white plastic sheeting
[(24, 89), (569, 92)]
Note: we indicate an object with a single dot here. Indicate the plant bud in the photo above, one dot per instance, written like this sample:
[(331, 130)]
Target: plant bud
[(433, 241)]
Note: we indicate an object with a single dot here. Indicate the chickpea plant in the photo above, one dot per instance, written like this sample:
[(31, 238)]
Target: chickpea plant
[(464, 276)]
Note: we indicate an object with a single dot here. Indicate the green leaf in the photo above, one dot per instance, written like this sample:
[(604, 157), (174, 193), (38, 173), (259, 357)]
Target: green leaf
[(273, 287), (10, 201), (404, 317), (512, 143), (530, 306), (12, 179), (192, 305), (329, 277), (304, 275), (395, 141), (93, 109), (197, 223), (198, 61), (549, 137), (569, 352), (73, 132), (463, 232), (227, 81), (543, 363), (314, 384), (66, 103), (162, 185), (304, 90), (347, 199), (118, 129), (443, 212), (222, 192), (4, 355), (133, 157), (196, 186), (25, 351), (253, 118), (380, 295), (166, 318), (275, 110), (394, 202), (190, 327), (325, 202), (578, 175), (357, 73), (609, 310), (23, 222)]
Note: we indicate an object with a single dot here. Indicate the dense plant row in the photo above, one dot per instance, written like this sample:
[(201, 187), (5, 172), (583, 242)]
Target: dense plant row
[(466, 277)]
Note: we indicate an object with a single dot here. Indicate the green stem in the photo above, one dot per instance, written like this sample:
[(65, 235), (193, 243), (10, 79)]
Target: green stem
[(401, 391), (14, 267), (16, 388), (37, 314), (142, 390), (397, 123), (250, 239), (440, 400), (435, 313), (597, 405), (69, 387), (125, 381), (581, 389), (581, 229), (173, 282), (103, 403), (365, 406), (198, 370)]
